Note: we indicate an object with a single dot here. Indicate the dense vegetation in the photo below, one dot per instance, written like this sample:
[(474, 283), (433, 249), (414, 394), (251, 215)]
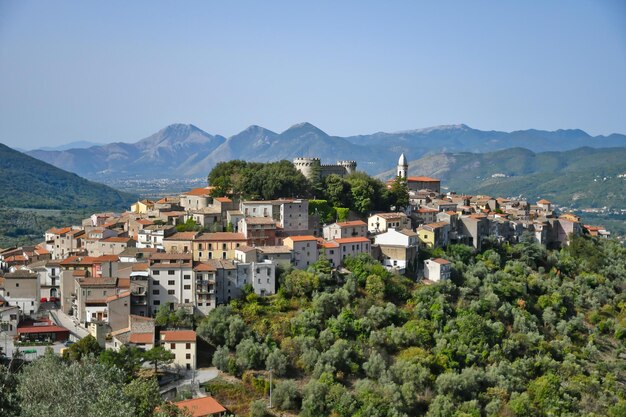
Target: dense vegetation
[(518, 331), (255, 180)]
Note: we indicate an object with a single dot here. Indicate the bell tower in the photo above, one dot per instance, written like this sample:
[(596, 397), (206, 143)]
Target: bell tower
[(403, 167)]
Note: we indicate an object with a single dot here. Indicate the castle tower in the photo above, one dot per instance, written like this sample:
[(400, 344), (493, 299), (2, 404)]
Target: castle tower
[(403, 167), (308, 166), (349, 166)]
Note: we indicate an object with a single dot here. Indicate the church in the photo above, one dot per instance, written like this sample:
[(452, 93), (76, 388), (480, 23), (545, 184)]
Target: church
[(416, 183)]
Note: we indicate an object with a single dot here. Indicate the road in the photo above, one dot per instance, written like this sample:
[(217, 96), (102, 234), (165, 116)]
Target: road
[(62, 319), (201, 376)]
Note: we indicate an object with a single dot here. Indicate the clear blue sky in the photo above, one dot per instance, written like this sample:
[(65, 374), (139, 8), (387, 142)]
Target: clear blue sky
[(121, 70)]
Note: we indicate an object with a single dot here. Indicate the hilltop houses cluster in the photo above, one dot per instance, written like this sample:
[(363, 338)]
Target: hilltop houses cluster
[(112, 273)]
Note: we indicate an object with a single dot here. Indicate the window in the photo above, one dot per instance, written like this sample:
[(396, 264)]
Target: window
[(173, 346), (223, 246), (186, 276), (171, 272), (210, 246), (17, 284), (187, 287), (170, 292), (156, 272), (223, 255), (156, 292), (187, 346), (156, 302), (186, 300), (155, 282), (188, 356), (171, 282)]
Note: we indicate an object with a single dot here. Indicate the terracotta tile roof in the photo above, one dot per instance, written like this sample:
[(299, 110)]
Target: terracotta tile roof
[(162, 256), (140, 266), (116, 239), (274, 249), (178, 336), (304, 238), (182, 236), (422, 179), (441, 261), (427, 210), (437, 225), (118, 296), (352, 240), (59, 231), (198, 192), (145, 221), (328, 245), (205, 267), (106, 258), (390, 215), (543, 202), (221, 236), (223, 199), (98, 282), (246, 249), (352, 223), (21, 273), (201, 407), (142, 338)]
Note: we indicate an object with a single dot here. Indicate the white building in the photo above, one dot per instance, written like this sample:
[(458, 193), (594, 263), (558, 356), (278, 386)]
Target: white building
[(304, 250), (437, 269), (182, 343), (171, 280)]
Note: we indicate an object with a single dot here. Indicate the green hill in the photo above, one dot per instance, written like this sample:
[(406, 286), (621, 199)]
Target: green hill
[(35, 196), (582, 177), (27, 182)]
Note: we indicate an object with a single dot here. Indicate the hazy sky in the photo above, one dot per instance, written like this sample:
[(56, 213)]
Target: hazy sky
[(121, 70)]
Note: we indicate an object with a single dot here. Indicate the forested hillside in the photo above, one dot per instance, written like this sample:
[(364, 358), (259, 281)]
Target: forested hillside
[(56, 197), (518, 331)]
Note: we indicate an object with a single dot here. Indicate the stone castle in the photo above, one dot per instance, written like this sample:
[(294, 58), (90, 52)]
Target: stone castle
[(313, 166)]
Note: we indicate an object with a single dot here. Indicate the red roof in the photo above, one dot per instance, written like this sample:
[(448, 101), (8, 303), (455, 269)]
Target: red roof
[(201, 407), (422, 179), (116, 239), (352, 240), (198, 191), (142, 338), (543, 201), (352, 223), (44, 326), (223, 199), (441, 261), (178, 336), (221, 236), (304, 238)]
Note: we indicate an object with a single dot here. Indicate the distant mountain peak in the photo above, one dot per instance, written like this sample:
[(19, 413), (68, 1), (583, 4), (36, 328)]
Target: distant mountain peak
[(305, 127), (180, 129), (426, 130)]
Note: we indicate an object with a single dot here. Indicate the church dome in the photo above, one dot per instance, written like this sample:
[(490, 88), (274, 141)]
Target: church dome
[(402, 161)]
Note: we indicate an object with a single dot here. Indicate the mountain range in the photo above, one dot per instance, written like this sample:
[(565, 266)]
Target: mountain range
[(184, 150)]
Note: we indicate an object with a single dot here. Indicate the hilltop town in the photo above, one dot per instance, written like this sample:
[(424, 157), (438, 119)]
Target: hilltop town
[(116, 275)]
